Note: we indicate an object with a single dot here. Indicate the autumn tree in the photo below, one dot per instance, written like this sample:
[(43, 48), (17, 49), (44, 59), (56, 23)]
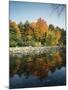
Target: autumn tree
[(15, 34), (36, 33)]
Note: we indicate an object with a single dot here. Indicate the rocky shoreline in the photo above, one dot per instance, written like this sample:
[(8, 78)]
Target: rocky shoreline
[(32, 50)]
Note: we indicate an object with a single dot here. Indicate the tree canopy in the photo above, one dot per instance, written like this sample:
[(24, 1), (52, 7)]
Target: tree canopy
[(37, 33)]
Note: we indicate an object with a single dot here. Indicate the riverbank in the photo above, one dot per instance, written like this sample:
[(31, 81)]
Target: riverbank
[(32, 50)]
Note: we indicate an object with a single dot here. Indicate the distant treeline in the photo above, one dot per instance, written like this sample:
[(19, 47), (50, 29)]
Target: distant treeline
[(37, 33)]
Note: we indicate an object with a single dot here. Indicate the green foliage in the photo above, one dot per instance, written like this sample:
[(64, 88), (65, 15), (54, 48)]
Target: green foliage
[(51, 27), (63, 37), (37, 34)]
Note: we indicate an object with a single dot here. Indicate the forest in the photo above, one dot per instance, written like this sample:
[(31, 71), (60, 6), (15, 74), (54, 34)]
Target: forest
[(35, 34)]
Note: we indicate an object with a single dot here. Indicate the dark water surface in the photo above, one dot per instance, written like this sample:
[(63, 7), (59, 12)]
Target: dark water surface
[(47, 69)]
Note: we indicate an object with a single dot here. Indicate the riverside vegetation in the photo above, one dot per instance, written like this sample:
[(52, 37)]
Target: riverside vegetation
[(36, 34)]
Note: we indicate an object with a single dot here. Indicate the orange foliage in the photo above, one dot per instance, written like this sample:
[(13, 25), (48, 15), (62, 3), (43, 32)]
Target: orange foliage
[(42, 26), (39, 27), (58, 35), (58, 57)]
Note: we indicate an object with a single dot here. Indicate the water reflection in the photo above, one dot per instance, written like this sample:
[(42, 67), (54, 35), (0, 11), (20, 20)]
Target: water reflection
[(37, 66)]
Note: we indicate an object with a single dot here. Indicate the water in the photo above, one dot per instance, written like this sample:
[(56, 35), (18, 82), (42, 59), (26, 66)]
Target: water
[(47, 69)]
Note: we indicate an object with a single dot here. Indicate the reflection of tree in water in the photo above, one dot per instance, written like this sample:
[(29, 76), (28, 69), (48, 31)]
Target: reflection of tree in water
[(37, 65), (40, 68), (14, 65)]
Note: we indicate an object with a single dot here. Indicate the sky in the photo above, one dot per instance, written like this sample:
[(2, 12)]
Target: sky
[(22, 11)]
